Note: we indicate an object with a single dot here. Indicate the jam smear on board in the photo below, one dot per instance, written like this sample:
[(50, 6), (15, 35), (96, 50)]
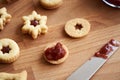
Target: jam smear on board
[(56, 52)]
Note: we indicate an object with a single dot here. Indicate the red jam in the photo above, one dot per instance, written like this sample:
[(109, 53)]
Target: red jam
[(78, 26), (34, 22), (5, 49), (56, 52), (98, 54), (107, 48), (114, 42), (115, 2)]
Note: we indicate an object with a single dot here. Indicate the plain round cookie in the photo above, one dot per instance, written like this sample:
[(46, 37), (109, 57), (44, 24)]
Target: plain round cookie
[(59, 60), (77, 27), (11, 55), (51, 4)]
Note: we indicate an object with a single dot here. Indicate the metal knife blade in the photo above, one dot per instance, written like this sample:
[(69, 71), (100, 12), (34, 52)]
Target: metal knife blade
[(87, 70)]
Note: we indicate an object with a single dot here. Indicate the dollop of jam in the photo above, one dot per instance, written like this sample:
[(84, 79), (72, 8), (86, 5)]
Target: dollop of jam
[(107, 48), (78, 26), (34, 22), (115, 2), (5, 49), (56, 52)]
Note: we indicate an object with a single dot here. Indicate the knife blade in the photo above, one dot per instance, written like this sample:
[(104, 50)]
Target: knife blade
[(87, 70)]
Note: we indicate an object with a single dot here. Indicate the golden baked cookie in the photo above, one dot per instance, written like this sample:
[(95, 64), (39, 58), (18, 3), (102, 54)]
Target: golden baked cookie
[(9, 50), (56, 53), (4, 17), (51, 4), (77, 27), (35, 24), (10, 76)]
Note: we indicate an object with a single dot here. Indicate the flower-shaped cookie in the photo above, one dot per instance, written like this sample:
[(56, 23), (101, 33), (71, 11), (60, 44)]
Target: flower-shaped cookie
[(4, 17), (35, 24)]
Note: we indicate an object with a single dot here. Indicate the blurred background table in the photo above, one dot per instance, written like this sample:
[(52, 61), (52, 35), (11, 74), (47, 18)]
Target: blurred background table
[(105, 25)]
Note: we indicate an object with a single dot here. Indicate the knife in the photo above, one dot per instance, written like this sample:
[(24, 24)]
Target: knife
[(87, 70)]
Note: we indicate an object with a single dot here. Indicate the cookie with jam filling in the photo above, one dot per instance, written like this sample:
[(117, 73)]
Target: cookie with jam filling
[(34, 24), (9, 50), (51, 4)]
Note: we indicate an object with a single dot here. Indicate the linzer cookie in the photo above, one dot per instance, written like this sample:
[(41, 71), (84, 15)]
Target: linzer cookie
[(77, 27), (9, 51), (35, 24), (16, 76), (51, 4), (56, 53), (4, 17)]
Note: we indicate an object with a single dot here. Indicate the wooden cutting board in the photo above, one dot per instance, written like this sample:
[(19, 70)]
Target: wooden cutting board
[(105, 25)]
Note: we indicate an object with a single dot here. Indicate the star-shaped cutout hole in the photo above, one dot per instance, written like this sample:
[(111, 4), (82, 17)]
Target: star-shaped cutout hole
[(4, 17), (35, 24)]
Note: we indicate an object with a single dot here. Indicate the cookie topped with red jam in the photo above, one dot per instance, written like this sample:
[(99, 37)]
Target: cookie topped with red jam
[(56, 53)]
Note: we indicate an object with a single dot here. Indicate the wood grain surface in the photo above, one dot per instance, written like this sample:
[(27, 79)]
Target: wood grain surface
[(105, 25)]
